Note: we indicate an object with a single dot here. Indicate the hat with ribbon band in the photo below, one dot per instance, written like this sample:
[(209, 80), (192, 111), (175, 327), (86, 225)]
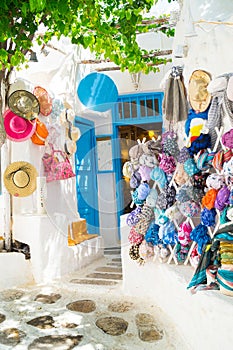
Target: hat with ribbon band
[(17, 128), (20, 179)]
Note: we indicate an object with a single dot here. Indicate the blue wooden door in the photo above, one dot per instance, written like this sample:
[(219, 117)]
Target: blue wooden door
[(86, 174)]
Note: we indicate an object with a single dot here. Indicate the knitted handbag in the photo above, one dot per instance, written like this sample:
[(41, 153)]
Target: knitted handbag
[(56, 165)]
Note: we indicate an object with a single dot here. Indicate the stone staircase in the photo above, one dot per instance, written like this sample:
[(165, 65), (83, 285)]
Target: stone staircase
[(107, 271)]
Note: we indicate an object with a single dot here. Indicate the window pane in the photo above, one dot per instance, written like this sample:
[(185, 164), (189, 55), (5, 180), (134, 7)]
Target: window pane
[(134, 109), (142, 108), (126, 110), (156, 106)]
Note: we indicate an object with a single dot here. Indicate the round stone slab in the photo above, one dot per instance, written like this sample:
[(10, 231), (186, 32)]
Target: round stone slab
[(55, 342), (42, 322), (11, 336), (147, 328), (112, 325), (10, 295), (47, 298), (85, 306), (2, 318), (120, 306), (150, 335)]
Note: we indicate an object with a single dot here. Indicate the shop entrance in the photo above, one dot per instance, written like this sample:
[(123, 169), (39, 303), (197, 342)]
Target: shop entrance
[(128, 136), (135, 117)]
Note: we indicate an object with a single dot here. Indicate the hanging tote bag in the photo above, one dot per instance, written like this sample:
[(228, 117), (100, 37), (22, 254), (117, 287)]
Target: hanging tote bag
[(56, 165)]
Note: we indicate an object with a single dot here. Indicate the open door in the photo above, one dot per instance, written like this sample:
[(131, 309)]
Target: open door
[(86, 175)]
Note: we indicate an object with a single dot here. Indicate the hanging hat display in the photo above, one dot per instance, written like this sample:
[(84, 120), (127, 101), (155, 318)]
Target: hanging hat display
[(73, 133), (199, 97), (40, 134), (135, 179), (44, 99), (17, 128), (70, 147), (135, 152), (24, 104), (20, 179)]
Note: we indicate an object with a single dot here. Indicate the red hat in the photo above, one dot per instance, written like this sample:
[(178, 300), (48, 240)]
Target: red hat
[(17, 128)]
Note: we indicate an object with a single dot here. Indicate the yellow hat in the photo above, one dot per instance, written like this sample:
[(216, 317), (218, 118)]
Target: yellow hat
[(20, 179)]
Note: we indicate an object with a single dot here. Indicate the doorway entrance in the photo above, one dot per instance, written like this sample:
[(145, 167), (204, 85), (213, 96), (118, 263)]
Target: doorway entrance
[(135, 116), (86, 175), (128, 136)]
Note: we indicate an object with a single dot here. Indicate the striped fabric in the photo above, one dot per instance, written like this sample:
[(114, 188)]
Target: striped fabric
[(214, 118)]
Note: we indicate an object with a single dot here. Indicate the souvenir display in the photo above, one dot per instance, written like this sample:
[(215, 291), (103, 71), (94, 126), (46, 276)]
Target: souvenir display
[(189, 188)]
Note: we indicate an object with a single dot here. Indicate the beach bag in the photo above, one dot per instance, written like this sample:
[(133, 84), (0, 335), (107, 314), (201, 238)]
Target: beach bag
[(56, 165)]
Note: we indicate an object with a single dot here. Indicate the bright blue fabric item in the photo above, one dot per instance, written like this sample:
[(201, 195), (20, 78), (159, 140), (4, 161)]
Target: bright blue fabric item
[(208, 216), (191, 115), (200, 235), (151, 235)]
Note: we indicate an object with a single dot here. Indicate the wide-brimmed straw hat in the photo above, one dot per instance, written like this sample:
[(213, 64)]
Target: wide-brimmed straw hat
[(44, 99), (24, 104), (17, 128), (199, 97), (70, 147), (20, 179), (73, 133)]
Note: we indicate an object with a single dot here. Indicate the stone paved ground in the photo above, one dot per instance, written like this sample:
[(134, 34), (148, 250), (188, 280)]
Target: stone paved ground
[(85, 310)]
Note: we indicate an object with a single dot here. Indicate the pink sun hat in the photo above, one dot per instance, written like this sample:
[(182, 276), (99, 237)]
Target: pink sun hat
[(18, 129)]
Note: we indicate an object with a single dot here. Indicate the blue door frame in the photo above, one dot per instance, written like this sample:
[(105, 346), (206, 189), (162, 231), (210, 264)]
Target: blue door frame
[(86, 174), (144, 116)]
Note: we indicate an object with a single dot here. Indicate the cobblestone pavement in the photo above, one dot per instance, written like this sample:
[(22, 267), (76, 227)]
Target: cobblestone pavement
[(85, 310)]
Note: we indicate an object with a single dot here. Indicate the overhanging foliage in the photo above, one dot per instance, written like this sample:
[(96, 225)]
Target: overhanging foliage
[(108, 28)]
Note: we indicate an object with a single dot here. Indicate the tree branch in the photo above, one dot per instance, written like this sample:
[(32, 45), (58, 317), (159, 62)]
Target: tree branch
[(106, 69)]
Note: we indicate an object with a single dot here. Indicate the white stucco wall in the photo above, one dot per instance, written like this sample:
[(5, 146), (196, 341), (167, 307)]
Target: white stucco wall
[(210, 49)]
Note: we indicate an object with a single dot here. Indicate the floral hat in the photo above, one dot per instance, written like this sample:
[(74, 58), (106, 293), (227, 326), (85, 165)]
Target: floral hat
[(227, 139), (189, 208), (215, 181), (167, 164), (159, 176), (190, 167)]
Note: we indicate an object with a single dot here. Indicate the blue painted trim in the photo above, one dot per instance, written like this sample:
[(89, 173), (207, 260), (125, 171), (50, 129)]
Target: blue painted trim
[(130, 121), (77, 121), (116, 166), (139, 121)]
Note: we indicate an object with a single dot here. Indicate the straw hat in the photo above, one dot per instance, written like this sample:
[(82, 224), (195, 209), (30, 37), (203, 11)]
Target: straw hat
[(70, 147), (24, 104), (18, 129), (20, 179), (40, 134), (199, 97), (44, 99), (73, 133)]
